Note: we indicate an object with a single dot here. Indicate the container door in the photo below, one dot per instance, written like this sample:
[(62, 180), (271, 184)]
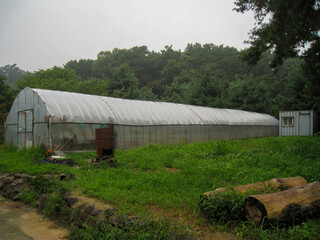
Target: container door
[(304, 124), (25, 129)]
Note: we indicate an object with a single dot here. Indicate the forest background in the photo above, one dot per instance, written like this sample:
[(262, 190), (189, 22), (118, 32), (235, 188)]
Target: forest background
[(205, 75)]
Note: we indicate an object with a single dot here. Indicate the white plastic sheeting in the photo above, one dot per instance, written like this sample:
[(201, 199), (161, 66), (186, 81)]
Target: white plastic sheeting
[(76, 107), (67, 121)]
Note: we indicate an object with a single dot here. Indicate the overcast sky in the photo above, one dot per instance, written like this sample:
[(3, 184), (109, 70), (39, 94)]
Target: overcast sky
[(39, 34)]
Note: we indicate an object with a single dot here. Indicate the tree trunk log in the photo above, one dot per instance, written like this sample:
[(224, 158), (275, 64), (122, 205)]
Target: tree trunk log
[(278, 183), (286, 206)]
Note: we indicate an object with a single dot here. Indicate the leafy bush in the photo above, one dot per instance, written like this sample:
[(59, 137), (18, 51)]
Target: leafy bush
[(223, 207), (56, 207), (39, 185), (30, 197), (54, 204)]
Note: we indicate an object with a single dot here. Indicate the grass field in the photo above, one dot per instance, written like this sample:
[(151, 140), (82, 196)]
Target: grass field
[(168, 180)]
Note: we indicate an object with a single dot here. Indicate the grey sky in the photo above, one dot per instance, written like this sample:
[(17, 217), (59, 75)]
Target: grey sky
[(38, 34)]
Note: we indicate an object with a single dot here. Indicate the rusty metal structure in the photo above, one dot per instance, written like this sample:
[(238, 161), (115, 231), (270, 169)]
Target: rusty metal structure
[(67, 121), (105, 141)]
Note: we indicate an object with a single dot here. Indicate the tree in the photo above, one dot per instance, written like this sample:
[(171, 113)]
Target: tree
[(94, 86), (123, 83), (288, 29), (207, 90), (12, 74), (55, 78), (169, 72), (83, 68), (7, 96), (176, 92), (249, 94), (290, 85)]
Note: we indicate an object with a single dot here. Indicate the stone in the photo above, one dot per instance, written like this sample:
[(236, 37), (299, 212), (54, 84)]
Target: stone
[(71, 201), (117, 220), (95, 213), (8, 179), (89, 208), (12, 186), (18, 175), (17, 196), (110, 212), (42, 202), (84, 212), (133, 220), (17, 182)]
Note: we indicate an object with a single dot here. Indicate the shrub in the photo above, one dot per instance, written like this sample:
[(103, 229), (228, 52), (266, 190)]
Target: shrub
[(223, 207)]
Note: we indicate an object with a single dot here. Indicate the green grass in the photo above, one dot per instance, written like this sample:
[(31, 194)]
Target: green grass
[(159, 230), (140, 179)]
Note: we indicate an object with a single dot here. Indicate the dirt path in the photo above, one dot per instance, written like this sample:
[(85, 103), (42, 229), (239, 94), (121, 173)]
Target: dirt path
[(20, 222)]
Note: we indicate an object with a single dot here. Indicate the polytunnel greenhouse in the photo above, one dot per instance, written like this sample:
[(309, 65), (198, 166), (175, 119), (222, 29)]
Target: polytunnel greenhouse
[(66, 121)]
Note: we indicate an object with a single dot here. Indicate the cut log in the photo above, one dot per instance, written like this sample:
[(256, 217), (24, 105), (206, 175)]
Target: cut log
[(261, 187), (287, 206)]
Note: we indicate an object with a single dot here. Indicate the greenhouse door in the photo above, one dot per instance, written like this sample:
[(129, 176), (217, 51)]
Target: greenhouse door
[(25, 127)]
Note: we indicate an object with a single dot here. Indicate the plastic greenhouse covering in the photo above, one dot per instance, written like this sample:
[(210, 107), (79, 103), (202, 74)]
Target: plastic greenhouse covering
[(67, 121)]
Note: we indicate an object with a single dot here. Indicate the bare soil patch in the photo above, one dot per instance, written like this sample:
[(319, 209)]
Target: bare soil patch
[(174, 170), (20, 222)]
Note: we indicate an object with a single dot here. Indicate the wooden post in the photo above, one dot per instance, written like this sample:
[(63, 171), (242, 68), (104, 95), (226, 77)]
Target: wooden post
[(25, 129)]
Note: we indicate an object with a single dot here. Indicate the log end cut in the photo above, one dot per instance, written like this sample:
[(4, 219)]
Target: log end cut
[(287, 206), (255, 210)]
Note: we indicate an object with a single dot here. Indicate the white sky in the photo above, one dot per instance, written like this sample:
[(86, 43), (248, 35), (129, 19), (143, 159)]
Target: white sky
[(39, 34)]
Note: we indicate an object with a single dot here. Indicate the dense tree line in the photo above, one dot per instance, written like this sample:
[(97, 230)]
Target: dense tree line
[(206, 75)]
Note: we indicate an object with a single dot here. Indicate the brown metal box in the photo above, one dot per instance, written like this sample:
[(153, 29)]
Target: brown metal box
[(105, 141)]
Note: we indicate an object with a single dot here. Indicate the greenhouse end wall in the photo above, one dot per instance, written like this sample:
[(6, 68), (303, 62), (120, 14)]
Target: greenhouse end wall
[(27, 122)]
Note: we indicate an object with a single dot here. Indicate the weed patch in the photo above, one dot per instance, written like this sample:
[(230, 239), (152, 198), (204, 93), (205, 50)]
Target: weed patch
[(143, 229), (307, 230), (39, 185), (224, 207)]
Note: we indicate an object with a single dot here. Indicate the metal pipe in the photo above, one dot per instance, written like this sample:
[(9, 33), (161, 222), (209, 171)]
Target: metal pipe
[(25, 129)]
